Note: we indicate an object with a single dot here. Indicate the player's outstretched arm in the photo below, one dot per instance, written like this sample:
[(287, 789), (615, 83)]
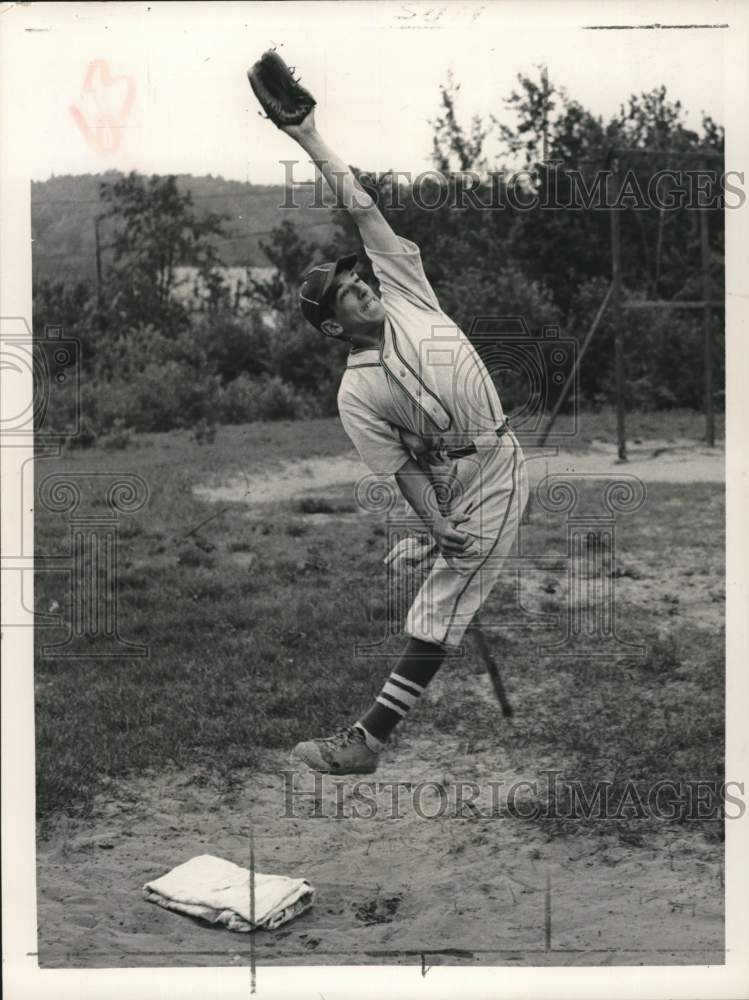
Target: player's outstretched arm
[(374, 229)]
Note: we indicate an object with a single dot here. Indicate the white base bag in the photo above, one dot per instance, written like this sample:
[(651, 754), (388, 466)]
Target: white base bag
[(219, 891)]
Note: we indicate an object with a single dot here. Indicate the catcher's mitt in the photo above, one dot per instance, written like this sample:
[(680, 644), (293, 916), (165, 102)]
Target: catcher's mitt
[(282, 97)]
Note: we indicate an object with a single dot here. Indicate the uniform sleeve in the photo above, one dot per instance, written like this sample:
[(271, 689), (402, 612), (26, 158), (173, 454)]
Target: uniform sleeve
[(378, 442), (402, 274)]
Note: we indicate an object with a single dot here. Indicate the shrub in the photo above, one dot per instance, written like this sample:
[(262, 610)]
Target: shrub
[(86, 436), (279, 400), (204, 432), (161, 397), (233, 346), (118, 437), (266, 398), (471, 294), (239, 400)]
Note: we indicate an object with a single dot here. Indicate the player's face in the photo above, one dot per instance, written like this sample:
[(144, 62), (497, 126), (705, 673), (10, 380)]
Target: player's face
[(354, 304)]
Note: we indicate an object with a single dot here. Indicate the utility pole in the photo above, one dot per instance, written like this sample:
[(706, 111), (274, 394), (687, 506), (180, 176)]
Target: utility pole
[(616, 301), (707, 327)]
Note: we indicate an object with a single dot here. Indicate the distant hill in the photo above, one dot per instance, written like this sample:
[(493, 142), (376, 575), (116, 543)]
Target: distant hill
[(63, 210)]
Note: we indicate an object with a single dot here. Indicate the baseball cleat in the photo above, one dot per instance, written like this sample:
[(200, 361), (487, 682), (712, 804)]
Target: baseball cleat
[(345, 752)]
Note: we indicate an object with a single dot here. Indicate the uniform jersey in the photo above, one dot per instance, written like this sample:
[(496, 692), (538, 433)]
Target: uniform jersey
[(426, 377)]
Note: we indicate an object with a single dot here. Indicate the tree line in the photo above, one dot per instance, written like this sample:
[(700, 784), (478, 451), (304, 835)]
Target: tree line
[(502, 235)]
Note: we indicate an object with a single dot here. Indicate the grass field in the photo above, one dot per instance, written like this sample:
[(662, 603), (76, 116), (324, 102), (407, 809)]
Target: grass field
[(251, 621)]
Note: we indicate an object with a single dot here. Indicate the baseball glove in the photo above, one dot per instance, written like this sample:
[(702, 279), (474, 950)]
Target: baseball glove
[(281, 96), (409, 555)]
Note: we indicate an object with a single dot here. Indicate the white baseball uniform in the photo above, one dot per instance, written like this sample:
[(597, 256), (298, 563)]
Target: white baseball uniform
[(428, 379)]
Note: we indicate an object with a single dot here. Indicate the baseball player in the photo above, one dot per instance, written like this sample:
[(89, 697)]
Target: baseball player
[(419, 405)]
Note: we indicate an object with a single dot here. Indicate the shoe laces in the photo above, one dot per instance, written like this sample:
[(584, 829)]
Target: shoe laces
[(343, 738)]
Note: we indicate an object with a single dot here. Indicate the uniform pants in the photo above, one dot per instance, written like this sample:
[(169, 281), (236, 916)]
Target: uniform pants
[(492, 486)]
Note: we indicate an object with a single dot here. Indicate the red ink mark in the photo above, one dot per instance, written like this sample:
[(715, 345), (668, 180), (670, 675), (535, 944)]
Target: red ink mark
[(106, 102)]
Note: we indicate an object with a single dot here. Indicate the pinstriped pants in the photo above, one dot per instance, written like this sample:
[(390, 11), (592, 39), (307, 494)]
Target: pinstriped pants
[(492, 486)]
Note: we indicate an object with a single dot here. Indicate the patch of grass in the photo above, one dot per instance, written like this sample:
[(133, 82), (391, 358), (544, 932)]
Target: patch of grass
[(239, 659), (668, 425), (324, 505), (629, 722), (240, 545), (625, 726), (662, 656), (190, 555), (296, 530)]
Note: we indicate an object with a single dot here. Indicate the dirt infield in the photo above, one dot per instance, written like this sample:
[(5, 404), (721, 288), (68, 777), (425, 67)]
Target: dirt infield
[(447, 890), (661, 461)]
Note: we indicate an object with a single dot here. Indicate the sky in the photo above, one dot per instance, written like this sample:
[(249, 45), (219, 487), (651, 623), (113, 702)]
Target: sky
[(169, 79)]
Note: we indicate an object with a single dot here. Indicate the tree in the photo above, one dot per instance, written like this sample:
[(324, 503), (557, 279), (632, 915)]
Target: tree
[(565, 246), (296, 353), (452, 144), (290, 255), (67, 305), (484, 254), (156, 229)]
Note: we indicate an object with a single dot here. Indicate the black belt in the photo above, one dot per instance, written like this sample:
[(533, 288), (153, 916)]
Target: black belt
[(470, 449)]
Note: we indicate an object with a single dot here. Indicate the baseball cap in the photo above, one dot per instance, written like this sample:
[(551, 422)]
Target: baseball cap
[(316, 285)]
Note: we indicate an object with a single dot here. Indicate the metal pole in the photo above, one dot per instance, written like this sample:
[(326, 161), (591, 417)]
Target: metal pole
[(706, 328), (616, 298)]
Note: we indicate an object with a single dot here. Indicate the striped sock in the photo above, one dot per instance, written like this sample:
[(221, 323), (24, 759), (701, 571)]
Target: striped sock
[(418, 664)]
